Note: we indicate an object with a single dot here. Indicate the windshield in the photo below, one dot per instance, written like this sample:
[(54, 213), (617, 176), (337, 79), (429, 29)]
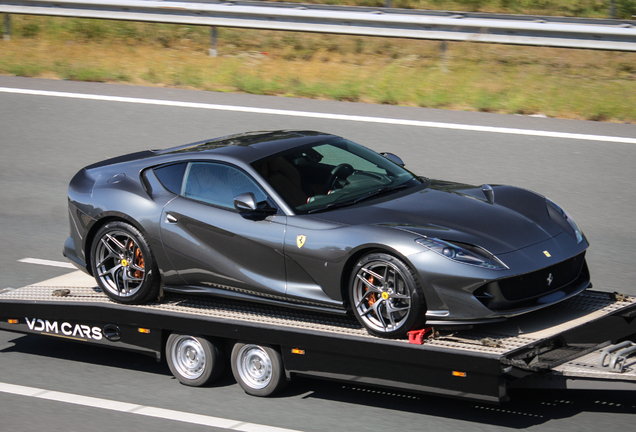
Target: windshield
[(331, 174)]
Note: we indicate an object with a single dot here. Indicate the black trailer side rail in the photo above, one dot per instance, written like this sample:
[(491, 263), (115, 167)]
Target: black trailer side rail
[(480, 364)]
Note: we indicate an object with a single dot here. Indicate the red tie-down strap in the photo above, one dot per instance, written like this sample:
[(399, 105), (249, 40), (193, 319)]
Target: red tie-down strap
[(417, 336)]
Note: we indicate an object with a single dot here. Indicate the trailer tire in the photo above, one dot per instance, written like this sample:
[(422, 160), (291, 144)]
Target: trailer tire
[(193, 360), (258, 369)]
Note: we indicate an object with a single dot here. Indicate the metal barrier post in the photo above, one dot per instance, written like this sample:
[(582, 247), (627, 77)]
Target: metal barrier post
[(7, 27), (444, 60), (213, 51)]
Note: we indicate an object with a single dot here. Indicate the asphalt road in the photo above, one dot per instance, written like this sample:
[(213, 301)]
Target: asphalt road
[(46, 139)]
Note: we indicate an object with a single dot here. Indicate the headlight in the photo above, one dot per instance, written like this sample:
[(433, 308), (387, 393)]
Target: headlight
[(577, 231), (475, 256)]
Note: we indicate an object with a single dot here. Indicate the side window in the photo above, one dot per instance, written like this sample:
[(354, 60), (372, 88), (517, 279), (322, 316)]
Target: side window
[(171, 176), (218, 184)]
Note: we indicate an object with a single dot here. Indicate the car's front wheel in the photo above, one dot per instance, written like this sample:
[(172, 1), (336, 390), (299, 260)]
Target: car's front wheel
[(123, 264), (385, 296)]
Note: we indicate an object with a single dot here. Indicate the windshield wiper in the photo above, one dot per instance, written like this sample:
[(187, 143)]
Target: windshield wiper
[(331, 206), (380, 191), (375, 193)]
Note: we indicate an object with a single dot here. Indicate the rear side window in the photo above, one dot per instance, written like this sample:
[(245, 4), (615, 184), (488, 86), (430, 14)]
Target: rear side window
[(171, 176)]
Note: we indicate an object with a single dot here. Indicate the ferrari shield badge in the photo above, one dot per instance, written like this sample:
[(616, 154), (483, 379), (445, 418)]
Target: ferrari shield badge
[(546, 253), (300, 240)]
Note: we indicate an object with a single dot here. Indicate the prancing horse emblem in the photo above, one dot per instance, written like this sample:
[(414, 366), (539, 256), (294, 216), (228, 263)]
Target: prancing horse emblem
[(300, 240), (549, 279)]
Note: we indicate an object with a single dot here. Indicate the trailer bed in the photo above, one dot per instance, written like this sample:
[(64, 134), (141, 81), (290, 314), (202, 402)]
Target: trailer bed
[(502, 338), (549, 348)]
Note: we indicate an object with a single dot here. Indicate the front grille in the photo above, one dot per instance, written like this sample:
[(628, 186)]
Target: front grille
[(542, 281)]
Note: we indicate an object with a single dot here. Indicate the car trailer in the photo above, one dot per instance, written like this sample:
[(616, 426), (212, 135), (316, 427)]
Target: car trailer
[(584, 342)]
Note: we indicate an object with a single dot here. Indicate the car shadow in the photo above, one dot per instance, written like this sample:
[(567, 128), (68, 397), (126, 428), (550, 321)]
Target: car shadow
[(67, 350), (527, 408), (93, 354)]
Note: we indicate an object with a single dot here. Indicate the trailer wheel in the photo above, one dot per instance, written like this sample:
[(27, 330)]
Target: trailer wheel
[(385, 296), (258, 369), (123, 264), (193, 360)]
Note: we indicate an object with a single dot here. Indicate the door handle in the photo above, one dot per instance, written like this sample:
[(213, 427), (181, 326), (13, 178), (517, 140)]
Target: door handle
[(170, 218)]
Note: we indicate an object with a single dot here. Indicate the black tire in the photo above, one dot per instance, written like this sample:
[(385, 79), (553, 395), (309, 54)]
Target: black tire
[(123, 264), (194, 360), (385, 296), (258, 369)]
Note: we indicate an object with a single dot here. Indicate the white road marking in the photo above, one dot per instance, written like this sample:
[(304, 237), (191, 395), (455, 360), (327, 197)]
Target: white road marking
[(47, 262), (148, 411), (401, 122)]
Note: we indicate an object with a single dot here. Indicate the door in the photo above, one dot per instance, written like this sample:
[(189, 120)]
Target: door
[(210, 244)]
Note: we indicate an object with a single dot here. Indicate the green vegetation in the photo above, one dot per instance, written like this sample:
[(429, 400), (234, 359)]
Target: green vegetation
[(595, 85), (573, 8)]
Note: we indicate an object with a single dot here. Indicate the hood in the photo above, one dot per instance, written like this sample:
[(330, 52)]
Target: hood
[(461, 213)]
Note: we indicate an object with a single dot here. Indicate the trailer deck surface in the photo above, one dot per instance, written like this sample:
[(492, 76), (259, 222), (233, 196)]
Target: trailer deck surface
[(498, 338)]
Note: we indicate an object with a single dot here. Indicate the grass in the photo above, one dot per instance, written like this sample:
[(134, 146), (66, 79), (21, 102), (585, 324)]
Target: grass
[(624, 9), (581, 84)]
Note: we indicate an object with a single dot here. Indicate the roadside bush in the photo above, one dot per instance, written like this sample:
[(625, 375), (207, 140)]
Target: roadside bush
[(625, 9)]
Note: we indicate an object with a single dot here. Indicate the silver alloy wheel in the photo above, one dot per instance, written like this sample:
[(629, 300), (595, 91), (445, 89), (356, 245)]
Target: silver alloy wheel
[(188, 357), (254, 366), (120, 263), (381, 296)]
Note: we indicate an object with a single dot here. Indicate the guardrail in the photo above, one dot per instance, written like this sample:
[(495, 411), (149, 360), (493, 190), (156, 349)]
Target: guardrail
[(618, 35)]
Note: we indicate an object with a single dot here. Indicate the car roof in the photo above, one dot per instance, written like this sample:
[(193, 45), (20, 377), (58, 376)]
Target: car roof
[(249, 146), (244, 148)]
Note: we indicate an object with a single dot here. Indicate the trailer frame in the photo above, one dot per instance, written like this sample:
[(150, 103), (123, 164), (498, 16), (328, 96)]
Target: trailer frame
[(557, 347)]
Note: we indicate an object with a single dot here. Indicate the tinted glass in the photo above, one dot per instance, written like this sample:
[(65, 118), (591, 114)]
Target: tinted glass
[(171, 176), (332, 173), (332, 155), (218, 184)]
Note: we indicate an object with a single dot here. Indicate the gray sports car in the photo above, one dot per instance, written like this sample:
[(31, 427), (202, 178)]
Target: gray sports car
[(310, 220)]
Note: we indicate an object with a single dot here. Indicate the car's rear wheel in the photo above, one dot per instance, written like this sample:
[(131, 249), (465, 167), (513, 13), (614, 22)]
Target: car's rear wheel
[(385, 296), (258, 369), (193, 360), (123, 264)]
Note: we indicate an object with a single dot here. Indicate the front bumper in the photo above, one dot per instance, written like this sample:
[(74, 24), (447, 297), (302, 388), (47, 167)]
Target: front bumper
[(461, 294)]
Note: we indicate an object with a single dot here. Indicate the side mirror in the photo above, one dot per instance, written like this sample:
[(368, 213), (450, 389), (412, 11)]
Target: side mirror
[(246, 203), (393, 158)]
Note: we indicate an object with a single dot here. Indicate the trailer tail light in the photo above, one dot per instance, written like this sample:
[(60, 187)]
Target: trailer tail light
[(13, 321), (298, 351), (144, 330), (459, 374)]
